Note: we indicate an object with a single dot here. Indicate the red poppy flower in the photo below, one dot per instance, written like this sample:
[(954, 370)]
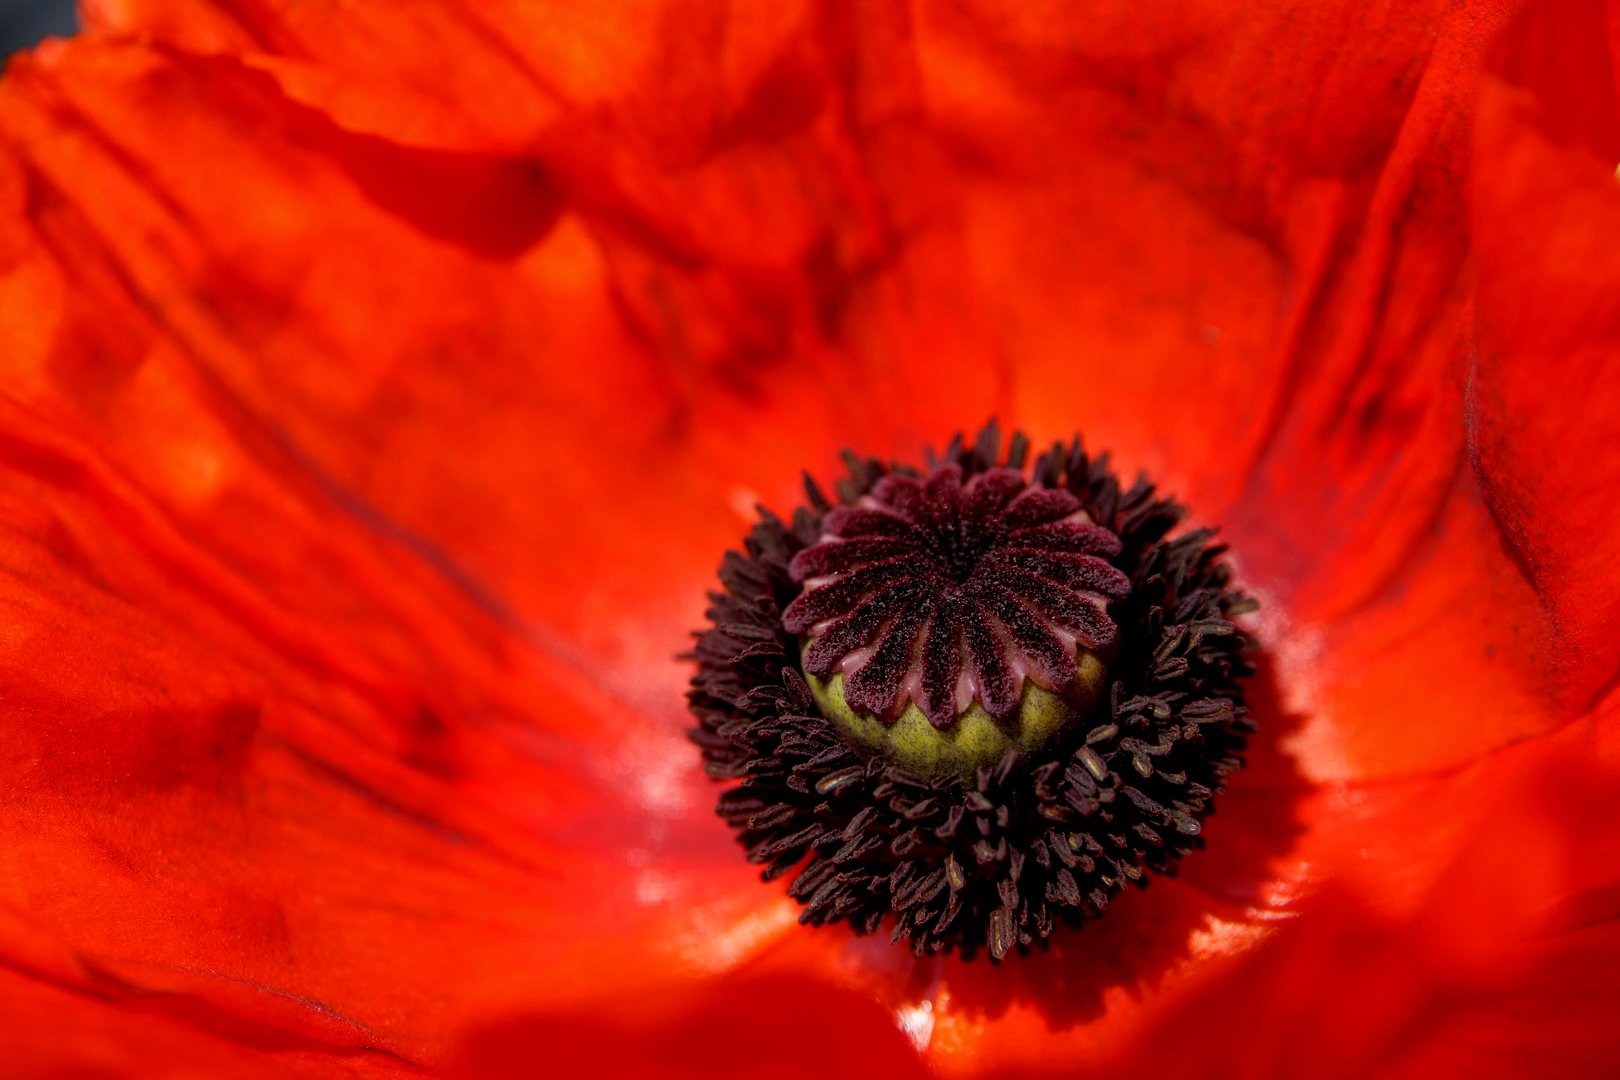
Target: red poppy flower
[(383, 383)]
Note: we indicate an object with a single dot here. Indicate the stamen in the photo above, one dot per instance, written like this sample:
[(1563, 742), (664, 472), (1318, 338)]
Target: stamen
[(972, 704)]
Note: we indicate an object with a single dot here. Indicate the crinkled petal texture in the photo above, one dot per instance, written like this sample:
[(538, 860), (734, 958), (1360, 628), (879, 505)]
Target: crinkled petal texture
[(382, 383)]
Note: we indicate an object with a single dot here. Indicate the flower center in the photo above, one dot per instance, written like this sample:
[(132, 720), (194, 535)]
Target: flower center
[(944, 621), (970, 706)]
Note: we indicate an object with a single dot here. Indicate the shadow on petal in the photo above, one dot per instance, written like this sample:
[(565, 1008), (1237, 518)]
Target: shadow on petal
[(779, 1026)]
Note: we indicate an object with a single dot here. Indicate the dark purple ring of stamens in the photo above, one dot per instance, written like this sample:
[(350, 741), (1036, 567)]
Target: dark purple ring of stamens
[(949, 592), (997, 860)]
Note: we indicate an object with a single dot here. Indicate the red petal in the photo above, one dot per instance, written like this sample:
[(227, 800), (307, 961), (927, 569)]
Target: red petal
[(333, 388), (1546, 388), (296, 801), (1499, 971), (1321, 425), (778, 1026), (282, 759), (50, 1031)]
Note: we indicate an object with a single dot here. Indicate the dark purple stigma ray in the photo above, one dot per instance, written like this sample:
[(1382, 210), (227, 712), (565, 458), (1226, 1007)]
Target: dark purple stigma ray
[(849, 632), (1039, 506), (815, 605), (930, 579), (1073, 611), (1074, 572), (825, 559), (852, 521), (1048, 658), (1078, 537), (999, 689), (993, 491), (875, 685), (941, 664)]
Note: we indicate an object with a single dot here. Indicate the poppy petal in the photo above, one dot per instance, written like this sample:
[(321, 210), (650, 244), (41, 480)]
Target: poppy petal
[(742, 1026), (283, 758), (271, 794), (1494, 972), (1546, 386), (621, 596), (119, 1040), (1329, 437)]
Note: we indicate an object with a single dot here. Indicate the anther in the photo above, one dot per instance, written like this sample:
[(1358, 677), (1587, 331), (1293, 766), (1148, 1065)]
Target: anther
[(972, 702)]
